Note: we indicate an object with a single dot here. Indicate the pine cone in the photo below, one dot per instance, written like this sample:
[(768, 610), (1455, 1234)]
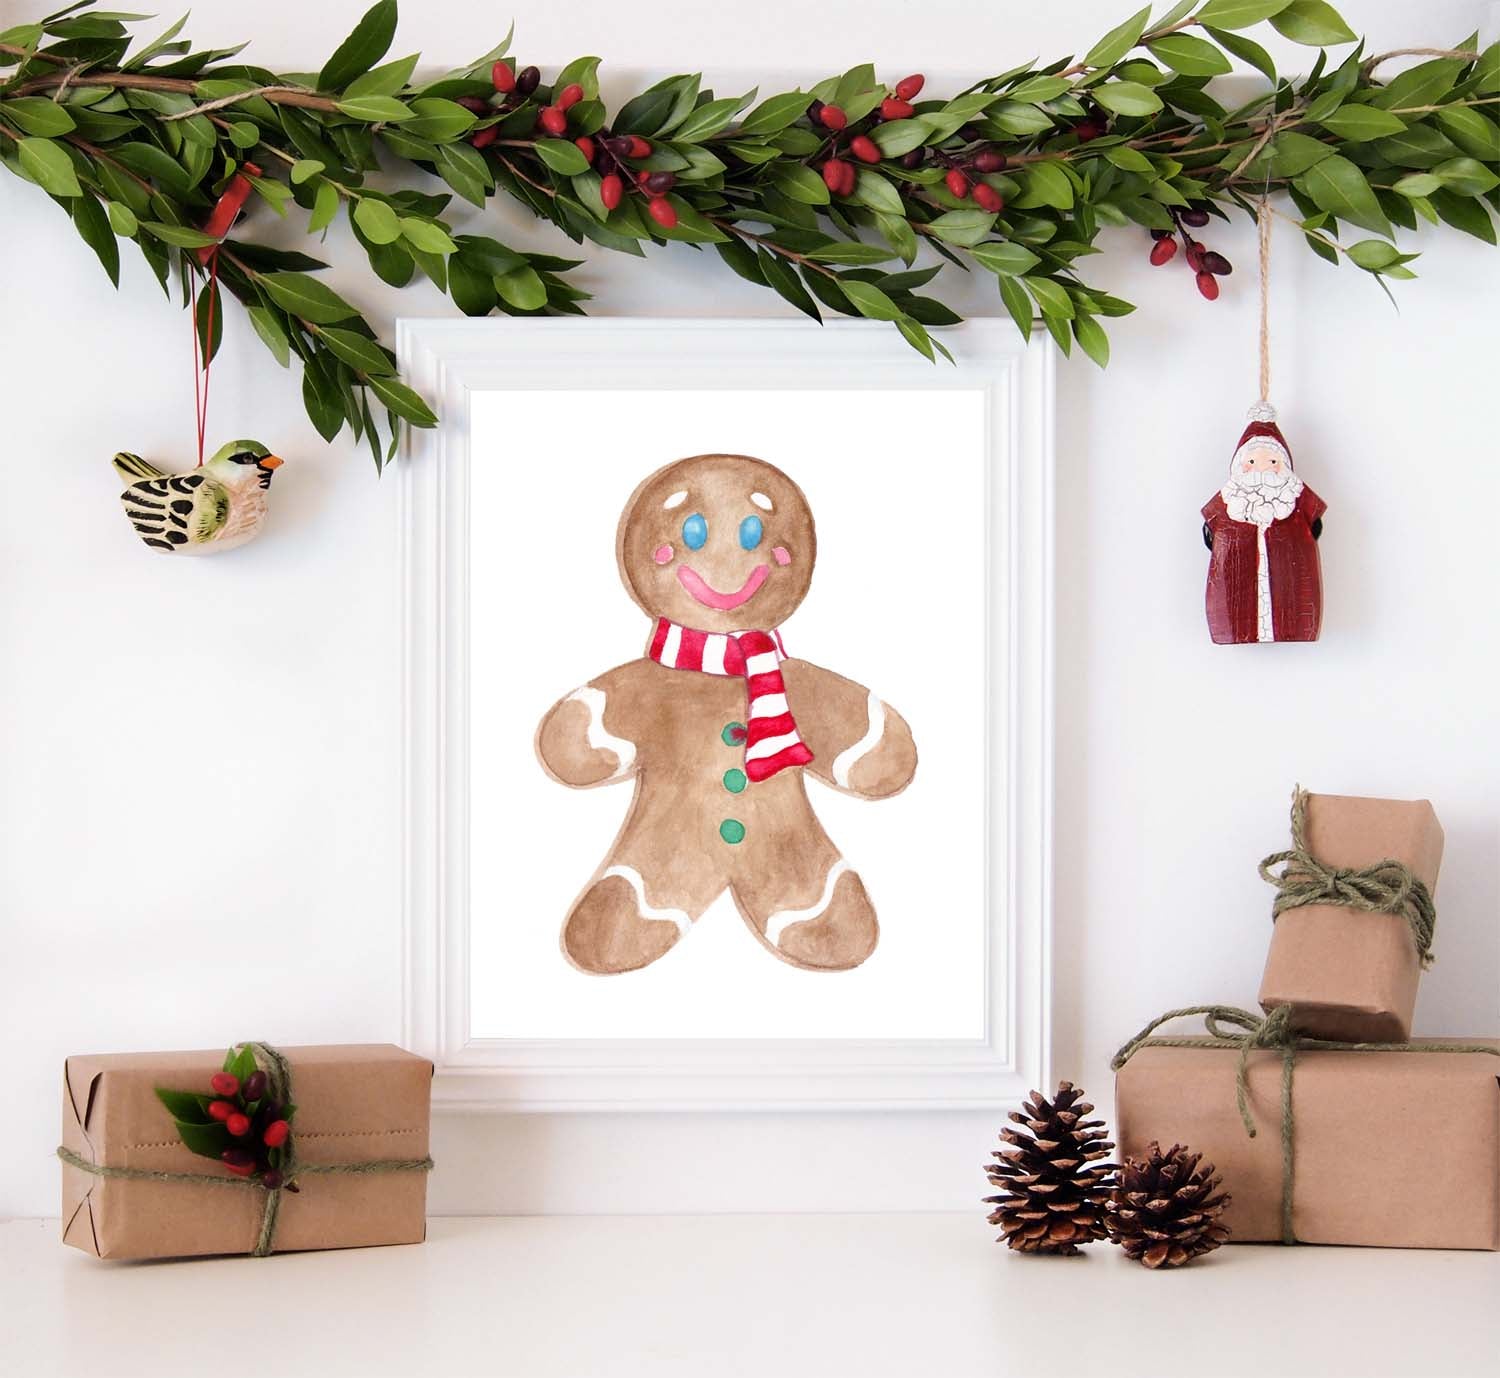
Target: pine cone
[(1163, 1210), (1052, 1186)]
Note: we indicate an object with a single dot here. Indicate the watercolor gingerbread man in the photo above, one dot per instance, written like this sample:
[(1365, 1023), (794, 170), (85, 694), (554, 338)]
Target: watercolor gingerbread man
[(719, 729)]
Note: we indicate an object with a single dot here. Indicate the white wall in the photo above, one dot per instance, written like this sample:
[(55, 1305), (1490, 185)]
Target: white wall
[(198, 813)]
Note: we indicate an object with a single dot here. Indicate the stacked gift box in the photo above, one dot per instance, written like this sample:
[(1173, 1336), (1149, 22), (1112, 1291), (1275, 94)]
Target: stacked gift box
[(1328, 1122)]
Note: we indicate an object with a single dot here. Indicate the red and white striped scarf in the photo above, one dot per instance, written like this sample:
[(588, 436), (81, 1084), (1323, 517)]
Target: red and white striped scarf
[(772, 742)]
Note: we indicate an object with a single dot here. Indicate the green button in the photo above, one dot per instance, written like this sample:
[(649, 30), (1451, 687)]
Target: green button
[(733, 734), (732, 830), (734, 780)]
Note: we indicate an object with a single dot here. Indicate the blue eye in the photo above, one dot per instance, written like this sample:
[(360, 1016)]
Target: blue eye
[(694, 532), (751, 531)]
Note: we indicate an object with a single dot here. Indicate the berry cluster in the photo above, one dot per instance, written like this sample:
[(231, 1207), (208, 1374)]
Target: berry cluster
[(1207, 265), (245, 1110)]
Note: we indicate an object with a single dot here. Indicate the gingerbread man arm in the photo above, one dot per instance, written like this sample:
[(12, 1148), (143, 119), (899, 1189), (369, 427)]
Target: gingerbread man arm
[(859, 744), (585, 738)]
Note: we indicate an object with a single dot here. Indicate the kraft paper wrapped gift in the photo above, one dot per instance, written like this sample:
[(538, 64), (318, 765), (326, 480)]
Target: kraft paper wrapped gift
[(356, 1104), (1348, 973), (1400, 1149)]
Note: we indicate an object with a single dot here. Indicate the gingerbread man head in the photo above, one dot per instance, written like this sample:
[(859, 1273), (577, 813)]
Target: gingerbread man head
[(717, 542)]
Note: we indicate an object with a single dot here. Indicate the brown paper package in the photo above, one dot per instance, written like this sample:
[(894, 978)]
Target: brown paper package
[(356, 1103), (1349, 975), (1396, 1149)]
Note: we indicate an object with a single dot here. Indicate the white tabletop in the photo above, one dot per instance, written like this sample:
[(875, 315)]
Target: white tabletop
[(920, 1296)]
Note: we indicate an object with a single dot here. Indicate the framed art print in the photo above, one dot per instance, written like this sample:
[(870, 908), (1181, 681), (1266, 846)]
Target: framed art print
[(727, 714)]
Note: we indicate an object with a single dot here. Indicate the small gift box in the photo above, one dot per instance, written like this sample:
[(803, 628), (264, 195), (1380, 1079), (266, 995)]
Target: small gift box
[(1395, 1145), (174, 1154), (1353, 915)]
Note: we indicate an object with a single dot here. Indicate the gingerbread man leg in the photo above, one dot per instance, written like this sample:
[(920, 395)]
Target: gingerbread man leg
[(802, 899)]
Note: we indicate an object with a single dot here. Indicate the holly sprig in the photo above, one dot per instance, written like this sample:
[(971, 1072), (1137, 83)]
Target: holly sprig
[(239, 1122), (850, 197)]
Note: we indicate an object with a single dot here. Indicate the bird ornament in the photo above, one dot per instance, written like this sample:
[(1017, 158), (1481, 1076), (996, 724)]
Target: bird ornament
[(215, 507)]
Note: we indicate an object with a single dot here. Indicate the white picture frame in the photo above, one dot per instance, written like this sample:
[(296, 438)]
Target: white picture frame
[(450, 361)]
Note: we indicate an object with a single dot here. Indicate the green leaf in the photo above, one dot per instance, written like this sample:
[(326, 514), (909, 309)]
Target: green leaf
[(438, 120), (1339, 188), (1002, 257), (1416, 184), (383, 81), (93, 227), (741, 259), (1246, 49), (1466, 176), (403, 401), (870, 301), (1425, 84), (185, 1106), (178, 236), (1091, 337), (243, 133), (1471, 132), (38, 115), (306, 297), (583, 70), (1044, 184), (1118, 41), (1359, 123), (964, 228), (374, 109), (268, 326), (365, 46), (1374, 254), (426, 236), (1018, 304), (208, 319), (357, 351), (304, 168), (381, 224), (325, 207), (1032, 91), (786, 283), (1313, 23), (206, 1140), (48, 165), (896, 137), (774, 114), (1193, 57), (1293, 153), (240, 1062), (122, 220), (321, 401), (1052, 297), (1127, 98), (1465, 214), (852, 253), (464, 169), (801, 184), (522, 288), (1239, 14), (874, 191), (472, 289), (709, 118), (562, 157)]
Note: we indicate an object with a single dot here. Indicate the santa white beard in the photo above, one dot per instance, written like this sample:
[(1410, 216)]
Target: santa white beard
[(1262, 496)]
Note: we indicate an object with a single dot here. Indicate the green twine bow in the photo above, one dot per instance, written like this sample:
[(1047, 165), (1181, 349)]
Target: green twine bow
[(1272, 1032), (1387, 887), (279, 1073)]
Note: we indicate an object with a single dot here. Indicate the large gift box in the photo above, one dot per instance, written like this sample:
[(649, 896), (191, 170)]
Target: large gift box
[(1354, 916), (357, 1157), (1398, 1147)]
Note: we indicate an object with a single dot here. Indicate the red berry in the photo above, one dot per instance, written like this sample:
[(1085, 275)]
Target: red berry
[(611, 189), (239, 1162), (833, 175), (832, 117), (958, 184), (276, 1133), (569, 96), (225, 1083), (220, 1110), (554, 121), (486, 136), (863, 147), (893, 109), (503, 79), (990, 160), (1208, 284), (238, 1125), (642, 176), (1195, 255), (639, 147), (474, 105), (1216, 263), (527, 80), (662, 211), (1163, 251), (270, 1179), (585, 146), (908, 88), (1195, 217), (659, 183), (989, 198), (1087, 130)]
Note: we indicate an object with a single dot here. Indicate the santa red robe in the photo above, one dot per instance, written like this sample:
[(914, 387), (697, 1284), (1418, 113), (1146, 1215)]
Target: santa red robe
[(1296, 576)]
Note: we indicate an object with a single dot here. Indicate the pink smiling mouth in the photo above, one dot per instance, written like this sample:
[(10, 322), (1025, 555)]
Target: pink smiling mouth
[(710, 597)]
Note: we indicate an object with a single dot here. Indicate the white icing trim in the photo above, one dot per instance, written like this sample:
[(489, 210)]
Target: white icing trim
[(779, 921), (851, 756), (676, 500), (646, 908), (762, 501), (600, 738)]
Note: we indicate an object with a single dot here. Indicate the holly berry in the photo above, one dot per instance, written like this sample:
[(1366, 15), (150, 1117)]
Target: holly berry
[(908, 88), (486, 136), (988, 198), (832, 117), (863, 147), (225, 1083), (611, 189), (1208, 285), (238, 1161), (958, 184), (474, 105), (892, 108), (1194, 216), (638, 147), (527, 80), (1161, 234), (662, 211), (659, 183), (502, 78), (275, 1133), (1087, 130), (1163, 251), (989, 160), (1216, 263), (569, 96), (220, 1110), (554, 120), (238, 1124), (255, 1086), (913, 159), (838, 177), (585, 146), (271, 1179)]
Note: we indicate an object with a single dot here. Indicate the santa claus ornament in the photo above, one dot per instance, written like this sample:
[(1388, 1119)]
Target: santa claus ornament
[(1265, 582)]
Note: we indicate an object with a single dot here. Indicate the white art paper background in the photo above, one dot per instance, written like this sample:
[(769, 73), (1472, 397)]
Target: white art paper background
[(898, 471)]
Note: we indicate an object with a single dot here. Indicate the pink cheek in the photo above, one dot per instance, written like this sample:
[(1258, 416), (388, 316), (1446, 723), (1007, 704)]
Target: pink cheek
[(782, 556), (662, 554)]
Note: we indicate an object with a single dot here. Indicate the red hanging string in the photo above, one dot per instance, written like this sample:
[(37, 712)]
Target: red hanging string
[(200, 371)]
